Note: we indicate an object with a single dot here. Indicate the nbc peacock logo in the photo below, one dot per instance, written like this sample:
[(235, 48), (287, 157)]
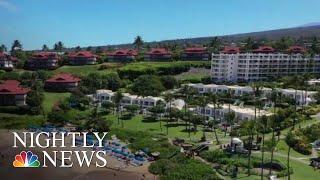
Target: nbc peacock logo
[(26, 159)]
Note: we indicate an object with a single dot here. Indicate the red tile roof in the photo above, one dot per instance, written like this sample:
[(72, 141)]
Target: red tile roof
[(264, 49), (12, 87), (5, 56), (195, 50), (297, 49), (231, 50), (158, 51), (124, 52), (82, 54), (44, 56), (63, 78)]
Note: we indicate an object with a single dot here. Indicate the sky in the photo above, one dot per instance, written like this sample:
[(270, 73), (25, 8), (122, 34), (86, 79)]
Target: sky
[(103, 22)]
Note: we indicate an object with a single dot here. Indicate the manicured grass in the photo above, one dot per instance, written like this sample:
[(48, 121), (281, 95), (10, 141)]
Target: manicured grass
[(51, 98), (138, 123), (300, 170), (85, 69), (194, 75), (147, 65)]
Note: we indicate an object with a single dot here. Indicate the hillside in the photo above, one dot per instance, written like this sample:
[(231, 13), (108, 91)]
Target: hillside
[(305, 32)]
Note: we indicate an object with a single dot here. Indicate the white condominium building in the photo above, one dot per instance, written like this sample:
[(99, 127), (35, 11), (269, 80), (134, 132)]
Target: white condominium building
[(241, 113), (303, 97), (104, 95), (231, 65)]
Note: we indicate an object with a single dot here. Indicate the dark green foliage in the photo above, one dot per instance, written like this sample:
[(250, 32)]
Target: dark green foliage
[(169, 82), (57, 118), (95, 81), (300, 139), (181, 167), (147, 85)]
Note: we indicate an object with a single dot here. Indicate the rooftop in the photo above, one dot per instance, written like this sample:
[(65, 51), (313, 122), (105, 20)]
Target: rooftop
[(12, 87), (64, 78)]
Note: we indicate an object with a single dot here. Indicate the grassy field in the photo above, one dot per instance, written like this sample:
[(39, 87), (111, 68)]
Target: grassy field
[(138, 123), (194, 75), (51, 98)]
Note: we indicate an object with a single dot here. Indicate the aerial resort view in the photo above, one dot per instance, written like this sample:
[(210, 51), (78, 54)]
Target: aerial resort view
[(168, 90)]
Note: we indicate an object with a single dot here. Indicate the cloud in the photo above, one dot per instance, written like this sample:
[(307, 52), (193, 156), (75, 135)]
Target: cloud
[(7, 5)]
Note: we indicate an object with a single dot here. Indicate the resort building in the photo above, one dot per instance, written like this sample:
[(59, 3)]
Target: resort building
[(82, 58), (241, 113), (12, 94), (104, 95), (62, 82), (231, 65), (195, 53), (43, 60), (7, 62), (122, 55), (158, 54), (302, 97)]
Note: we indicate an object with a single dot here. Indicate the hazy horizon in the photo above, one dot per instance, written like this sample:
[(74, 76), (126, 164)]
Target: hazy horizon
[(87, 23)]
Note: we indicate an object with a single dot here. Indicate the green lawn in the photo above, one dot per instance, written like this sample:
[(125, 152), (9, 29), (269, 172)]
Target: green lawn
[(194, 75), (51, 98), (85, 69), (137, 123)]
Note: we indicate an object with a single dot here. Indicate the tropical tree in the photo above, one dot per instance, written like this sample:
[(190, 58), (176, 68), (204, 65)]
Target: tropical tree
[(284, 43), (58, 46), (132, 109), (202, 102), (169, 97), (108, 106), (187, 94), (117, 101), (45, 47), (215, 44), (16, 46), (3, 48), (250, 128), (138, 42), (147, 85), (249, 44), (213, 98), (78, 48), (263, 123), (157, 110)]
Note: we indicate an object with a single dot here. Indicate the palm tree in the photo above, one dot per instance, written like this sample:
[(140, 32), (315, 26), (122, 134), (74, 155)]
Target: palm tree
[(250, 128), (138, 42), (264, 124), (157, 110), (169, 98), (3, 48), (273, 98), (293, 126), (187, 94), (202, 101), (213, 98), (117, 101), (257, 92), (45, 47), (16, 46)]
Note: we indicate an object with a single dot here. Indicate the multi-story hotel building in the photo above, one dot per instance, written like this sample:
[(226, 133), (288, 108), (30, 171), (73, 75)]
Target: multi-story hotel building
[(231, 65)]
